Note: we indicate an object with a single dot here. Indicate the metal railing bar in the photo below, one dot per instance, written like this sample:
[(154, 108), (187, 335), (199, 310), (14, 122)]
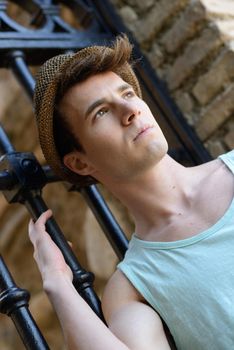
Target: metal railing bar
[(5, 144), (50, 176), (7, 181), (14, 303), (82, 280), (20, 69), (106, 220)]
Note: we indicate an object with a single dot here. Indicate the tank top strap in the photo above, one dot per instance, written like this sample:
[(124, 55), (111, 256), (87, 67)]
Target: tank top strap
[(228, 159)]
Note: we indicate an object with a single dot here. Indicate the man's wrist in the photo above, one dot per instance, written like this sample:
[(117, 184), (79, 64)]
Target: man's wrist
[(56, 281)]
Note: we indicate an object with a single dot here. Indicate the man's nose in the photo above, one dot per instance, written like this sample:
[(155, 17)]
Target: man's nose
[(129, 113)]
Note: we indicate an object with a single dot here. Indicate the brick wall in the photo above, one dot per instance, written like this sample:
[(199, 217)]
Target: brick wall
[(190, 45)]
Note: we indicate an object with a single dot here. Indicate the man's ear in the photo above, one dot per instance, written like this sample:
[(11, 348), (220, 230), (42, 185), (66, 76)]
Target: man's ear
[(77, 162)]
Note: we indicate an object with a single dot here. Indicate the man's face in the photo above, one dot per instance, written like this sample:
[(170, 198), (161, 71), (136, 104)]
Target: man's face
[(115, 127)]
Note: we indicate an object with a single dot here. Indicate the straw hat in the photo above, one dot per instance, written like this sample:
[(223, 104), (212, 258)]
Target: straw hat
[(47, 84)]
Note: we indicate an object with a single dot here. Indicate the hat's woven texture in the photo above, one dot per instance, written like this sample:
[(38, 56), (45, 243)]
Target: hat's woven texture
[(47, 83)]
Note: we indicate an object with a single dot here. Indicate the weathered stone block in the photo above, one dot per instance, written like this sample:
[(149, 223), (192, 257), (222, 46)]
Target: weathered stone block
[(215, 148), (226, 28), (141, 5), (195, 53), (224, 8), (219, 74), (216, 114), (153, 22), (229, 139), (156, 56), (184, 101), (128, 14), (184, 27)]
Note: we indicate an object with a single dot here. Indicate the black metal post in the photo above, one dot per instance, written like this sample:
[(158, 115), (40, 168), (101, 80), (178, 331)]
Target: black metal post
[(6, 180), (20, 69), (5, 143), (82, 279), (111, 228), (14, 303), (50, 176)]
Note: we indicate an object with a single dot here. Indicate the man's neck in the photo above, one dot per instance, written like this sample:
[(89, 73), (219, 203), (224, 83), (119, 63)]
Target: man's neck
[(159, 195)]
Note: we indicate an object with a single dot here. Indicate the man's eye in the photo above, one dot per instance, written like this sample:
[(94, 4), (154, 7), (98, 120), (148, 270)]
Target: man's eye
[(101, 112), (129, 94)]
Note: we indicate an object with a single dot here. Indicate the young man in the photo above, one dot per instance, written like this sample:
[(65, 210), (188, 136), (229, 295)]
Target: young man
[(94, 126)]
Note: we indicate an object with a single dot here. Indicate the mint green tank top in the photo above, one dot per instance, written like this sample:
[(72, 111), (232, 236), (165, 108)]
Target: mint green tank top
[(190, 282)]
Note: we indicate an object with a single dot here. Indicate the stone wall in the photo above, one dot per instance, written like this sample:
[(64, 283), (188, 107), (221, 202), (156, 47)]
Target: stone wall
[(189, 45)]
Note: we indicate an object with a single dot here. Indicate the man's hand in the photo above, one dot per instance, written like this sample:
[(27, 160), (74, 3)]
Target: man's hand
[(49, 258), (82, 329)]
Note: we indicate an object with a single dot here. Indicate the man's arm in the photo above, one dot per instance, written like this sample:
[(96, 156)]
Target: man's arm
[(130, 318), (82, 329)]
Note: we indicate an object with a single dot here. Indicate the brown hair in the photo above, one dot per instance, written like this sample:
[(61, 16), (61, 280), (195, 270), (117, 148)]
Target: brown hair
[(79, 70)]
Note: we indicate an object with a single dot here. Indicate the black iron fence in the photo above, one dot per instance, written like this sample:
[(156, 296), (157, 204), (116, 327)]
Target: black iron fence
[(22, 178)]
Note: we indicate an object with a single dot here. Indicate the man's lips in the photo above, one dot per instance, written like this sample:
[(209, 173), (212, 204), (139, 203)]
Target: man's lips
[(141, 131)]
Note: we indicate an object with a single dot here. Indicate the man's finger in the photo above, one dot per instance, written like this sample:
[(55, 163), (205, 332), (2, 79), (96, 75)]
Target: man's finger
[(41, 221), (44, 216), (39, 224)]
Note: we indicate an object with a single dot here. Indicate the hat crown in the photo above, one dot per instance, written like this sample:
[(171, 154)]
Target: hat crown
[(47, 73)]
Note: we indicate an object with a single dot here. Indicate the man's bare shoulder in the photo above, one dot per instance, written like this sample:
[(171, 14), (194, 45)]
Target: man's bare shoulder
[(118, 292)]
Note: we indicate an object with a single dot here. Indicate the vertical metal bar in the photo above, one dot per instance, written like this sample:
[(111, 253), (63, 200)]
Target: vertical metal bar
[(14, 303), (28, 330), (21, 71), (111, 228), (82, 279), (5, 144)]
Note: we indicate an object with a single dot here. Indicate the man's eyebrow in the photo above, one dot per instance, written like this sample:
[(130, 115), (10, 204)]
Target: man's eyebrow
[(94, 105), (123, 87), (99, 102)]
